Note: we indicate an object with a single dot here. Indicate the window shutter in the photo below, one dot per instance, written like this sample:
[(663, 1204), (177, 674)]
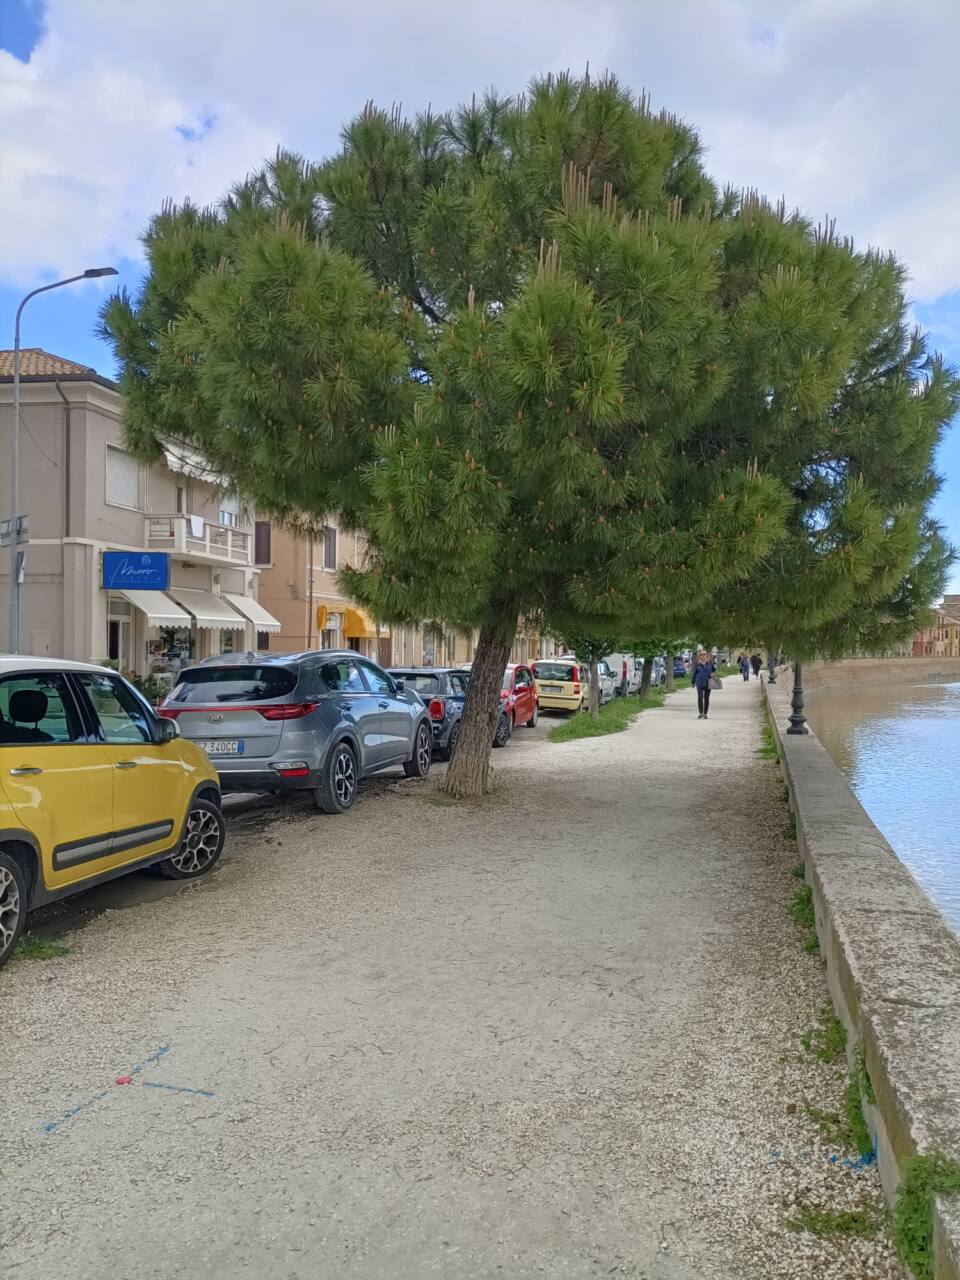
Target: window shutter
[(329, 547), (261, 542), (123, 479)]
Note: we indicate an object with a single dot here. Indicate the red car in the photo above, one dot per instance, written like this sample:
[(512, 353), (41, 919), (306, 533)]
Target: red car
[(518, 701)]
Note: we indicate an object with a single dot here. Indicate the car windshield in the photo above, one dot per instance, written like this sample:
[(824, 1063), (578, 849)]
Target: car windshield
[(233, 684), (555, 671), (423, 684)]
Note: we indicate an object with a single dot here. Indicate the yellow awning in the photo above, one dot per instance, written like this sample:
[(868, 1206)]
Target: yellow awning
[(358, 626), (322, 615)]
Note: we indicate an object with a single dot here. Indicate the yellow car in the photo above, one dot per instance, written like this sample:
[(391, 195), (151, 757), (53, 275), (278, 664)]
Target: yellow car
[(93, 784), (561, 684)]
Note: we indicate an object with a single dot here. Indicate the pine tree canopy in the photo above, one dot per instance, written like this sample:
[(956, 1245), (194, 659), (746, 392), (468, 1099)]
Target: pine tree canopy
[(533, 352)]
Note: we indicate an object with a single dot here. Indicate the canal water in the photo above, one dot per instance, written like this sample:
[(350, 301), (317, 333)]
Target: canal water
[(899, 748)]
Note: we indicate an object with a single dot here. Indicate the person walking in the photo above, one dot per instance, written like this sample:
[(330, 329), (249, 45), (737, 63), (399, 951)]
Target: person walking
[(701, 676), (756, 662), (745, 666)]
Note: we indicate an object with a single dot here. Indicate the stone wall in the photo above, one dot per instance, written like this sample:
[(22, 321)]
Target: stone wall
[(859, 671), (893, 969)]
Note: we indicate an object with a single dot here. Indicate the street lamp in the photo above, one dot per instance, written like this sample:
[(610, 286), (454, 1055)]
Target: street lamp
[(92, 273), (798, 721)]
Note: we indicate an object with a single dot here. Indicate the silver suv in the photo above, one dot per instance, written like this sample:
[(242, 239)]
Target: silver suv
[(316, 721)]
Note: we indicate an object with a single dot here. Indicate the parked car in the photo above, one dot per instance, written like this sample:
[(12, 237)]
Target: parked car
[(443, 691), (319, 721), (561, 684), (627, 672), (518, 702), (93, 784), (606, 682), (679, 668)]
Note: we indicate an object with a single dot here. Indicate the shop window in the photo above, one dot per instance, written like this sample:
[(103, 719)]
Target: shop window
[(263, 640)]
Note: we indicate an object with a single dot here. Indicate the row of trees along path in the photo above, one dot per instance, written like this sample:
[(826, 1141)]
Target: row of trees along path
[(552, 370)]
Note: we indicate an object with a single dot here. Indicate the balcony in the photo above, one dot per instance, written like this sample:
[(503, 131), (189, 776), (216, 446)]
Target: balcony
[(197, 539)]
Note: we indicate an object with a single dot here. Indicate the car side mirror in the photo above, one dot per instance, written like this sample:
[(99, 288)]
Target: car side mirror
[(166, 730), (399, 686)]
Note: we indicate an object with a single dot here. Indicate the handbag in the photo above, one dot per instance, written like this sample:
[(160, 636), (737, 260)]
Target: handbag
[(715, 683)]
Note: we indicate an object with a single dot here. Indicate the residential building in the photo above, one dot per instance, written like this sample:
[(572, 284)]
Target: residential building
[(941, 637), (149, 566)]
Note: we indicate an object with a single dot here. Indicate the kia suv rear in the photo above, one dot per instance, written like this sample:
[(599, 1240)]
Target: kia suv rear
[(318, 721)]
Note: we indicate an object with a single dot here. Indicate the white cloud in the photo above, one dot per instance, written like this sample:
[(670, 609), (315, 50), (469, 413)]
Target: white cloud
[(847, 107)]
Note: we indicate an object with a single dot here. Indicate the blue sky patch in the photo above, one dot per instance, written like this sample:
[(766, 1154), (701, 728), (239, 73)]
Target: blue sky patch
[(21, 27), (198, 131)]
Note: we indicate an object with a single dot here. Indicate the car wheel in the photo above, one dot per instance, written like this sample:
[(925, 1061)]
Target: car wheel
[(201, 846), (337, 788), (451, 742), (418, 766), (504, 730), (532, 722), (13, 905)]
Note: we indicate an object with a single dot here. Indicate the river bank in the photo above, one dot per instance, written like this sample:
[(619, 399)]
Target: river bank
[(896, 745)]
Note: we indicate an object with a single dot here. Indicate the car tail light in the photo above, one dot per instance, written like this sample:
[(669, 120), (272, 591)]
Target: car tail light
[(437, 708), (169, 713), (287, 711), (292, 769), (576, 686), (623, 674)]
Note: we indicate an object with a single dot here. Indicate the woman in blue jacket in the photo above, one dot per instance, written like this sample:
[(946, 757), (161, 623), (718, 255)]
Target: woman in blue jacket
[(700, 676)]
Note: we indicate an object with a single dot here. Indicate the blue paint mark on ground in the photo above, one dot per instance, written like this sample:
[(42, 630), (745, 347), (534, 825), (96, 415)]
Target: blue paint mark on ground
[(137, 1069), (177, 1088)]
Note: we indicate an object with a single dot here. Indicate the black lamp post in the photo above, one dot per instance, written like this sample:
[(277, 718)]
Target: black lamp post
[(771, 667), (798, 721)]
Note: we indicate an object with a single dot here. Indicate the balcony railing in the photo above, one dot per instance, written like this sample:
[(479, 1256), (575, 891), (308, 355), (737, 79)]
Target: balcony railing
[(188, 536)]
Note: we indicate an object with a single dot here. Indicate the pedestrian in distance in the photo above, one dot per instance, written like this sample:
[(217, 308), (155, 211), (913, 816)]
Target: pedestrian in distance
[(701, 676), (756, 662), (745, 666)]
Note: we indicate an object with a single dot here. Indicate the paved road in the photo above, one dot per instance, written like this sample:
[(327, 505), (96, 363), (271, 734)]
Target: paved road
[(546, 1035)]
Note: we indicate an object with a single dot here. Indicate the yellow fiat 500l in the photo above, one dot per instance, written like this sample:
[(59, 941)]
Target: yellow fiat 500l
[(93, 784)]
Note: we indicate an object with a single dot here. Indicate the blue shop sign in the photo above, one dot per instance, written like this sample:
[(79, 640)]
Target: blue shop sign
[(143, 570)]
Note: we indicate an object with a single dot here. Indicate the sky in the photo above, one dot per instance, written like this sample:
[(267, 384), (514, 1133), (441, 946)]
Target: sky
[(848, 108)]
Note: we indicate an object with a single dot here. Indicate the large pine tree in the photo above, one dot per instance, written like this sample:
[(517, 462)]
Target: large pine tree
[(550, 371)]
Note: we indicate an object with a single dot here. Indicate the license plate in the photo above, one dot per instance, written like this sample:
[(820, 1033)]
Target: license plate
[(552, 688), (221, 746)]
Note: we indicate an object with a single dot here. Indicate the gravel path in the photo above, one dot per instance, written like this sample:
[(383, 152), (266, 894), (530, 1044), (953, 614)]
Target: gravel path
[(556, 1034)]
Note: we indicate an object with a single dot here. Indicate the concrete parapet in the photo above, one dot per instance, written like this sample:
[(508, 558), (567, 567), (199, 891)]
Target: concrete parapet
[(893, 970), (854, 672)]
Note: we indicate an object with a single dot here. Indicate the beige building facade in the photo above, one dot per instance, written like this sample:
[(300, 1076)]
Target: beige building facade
[(148, 566)]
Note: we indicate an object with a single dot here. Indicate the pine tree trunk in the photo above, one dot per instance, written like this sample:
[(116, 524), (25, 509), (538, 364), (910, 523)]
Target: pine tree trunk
[(646, 677), (468, 774), (594, 690), (670, 661)]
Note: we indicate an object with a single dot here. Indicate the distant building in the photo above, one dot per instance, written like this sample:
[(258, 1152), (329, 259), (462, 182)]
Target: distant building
[(149, 566), (941, 637)]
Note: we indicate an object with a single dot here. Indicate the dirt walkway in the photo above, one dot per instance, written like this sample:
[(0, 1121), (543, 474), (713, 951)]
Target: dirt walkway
[(552, 1035)]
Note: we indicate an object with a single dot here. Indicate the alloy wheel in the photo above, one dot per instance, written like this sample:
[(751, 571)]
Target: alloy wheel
[(424, 750), (344, 777), (10, 908), (201, 843)]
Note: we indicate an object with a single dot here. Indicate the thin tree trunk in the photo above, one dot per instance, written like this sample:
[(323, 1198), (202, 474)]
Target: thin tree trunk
[(468, 774), (594, 690), (670, 662), (646, 677)]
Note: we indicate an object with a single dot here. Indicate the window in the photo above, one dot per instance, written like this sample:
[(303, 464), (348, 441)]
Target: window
[(263, 639), (181, 506), (426, 686), (261, 542), (205, 686), (229, 511), (378, 681), (123, 717), (458, 682), (556, 671), (329, 547), (342, 676), (37, 709), (123, 479), (524, 679)]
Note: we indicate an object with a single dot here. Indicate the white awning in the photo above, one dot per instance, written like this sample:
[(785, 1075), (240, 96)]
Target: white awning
[(188, 462), (159, 608), (209, 610), (253, 610)]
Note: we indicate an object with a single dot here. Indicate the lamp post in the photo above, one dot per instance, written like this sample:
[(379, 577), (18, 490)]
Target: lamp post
[(771, 667), (798, 721), (14, 602)]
